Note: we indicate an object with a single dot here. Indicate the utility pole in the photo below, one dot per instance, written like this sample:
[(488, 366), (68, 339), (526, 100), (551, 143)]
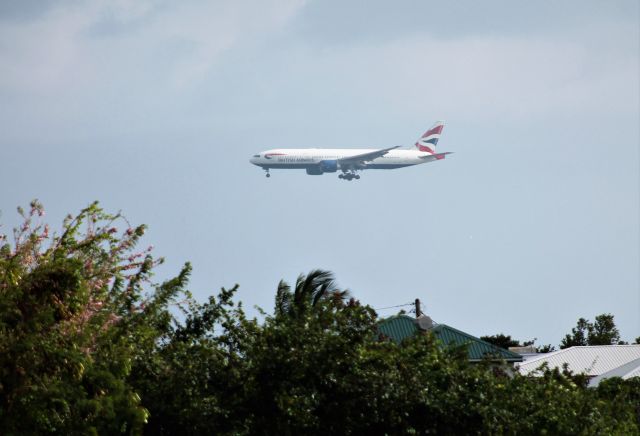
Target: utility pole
[(418, 311)]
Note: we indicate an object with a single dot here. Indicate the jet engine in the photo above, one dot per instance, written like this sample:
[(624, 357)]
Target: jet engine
[(329, 166), (325, 166), (314, 171)]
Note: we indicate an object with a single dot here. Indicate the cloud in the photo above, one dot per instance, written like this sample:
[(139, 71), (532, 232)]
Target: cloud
[(499, 82), (513, 79), (126, 65), (67, 47), (95, 67)]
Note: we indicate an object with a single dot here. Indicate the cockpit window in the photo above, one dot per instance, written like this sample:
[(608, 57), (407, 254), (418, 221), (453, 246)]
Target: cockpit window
[(256, 155)]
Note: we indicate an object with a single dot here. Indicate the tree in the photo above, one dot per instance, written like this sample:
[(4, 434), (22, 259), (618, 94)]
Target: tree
[(72, 316), (548, 348), (602, 332), (309, 291), (505, 341), (194, 379), (501, 340), (578, 336), (89, 346), (323, 369)]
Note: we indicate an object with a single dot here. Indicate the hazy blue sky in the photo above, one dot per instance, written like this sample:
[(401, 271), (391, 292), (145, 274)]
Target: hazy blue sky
[(154, 108)]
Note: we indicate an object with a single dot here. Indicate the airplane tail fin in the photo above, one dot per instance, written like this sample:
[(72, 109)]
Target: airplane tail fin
[(429, 140)]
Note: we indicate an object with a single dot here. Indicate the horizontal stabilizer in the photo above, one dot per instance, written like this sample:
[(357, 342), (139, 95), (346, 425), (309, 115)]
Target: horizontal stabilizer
[(435, 156)]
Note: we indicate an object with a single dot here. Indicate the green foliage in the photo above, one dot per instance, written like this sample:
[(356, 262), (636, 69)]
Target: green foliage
[(578, 336), (317, 366), (83, 350), (71, 320), (601, 332), (501, 340), (193, 379), (548, 348), (505, 341), (621, 401)]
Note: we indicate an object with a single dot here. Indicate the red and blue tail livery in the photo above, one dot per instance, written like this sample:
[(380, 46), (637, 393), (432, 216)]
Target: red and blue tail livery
[(347, 162), (429, 140)]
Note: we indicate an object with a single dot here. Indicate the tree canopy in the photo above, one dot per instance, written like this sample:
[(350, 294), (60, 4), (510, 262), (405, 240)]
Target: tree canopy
[(506, 341), (501, 340), (90, 345), (601, 332)]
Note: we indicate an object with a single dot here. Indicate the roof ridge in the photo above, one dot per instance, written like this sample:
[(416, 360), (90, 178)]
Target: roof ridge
[(564, 350), (594, 346), (396, 316)]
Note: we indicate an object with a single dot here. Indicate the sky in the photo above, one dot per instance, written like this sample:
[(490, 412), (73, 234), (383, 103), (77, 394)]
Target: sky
[(154, 108)]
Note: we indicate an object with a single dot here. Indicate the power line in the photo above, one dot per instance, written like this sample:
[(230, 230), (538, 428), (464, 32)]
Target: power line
[(393, 307)]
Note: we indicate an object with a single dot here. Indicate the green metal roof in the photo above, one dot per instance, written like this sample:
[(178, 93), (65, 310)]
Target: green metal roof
[(400, 327)]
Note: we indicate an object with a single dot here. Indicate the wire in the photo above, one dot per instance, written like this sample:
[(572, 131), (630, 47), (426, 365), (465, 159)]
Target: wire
[(393, 307)]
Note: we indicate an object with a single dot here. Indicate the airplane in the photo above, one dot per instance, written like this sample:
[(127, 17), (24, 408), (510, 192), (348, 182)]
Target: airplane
[(317, 161)]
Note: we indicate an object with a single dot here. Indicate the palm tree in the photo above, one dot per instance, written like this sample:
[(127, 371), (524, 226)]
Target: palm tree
[(316, 286)]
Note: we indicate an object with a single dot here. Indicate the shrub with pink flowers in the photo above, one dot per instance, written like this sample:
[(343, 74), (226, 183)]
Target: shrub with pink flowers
[(73, 311)]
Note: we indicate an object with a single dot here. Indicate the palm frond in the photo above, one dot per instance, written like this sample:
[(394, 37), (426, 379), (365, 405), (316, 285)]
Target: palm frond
[(283, 298)]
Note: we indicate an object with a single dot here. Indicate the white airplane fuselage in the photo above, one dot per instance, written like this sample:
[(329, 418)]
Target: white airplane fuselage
[(301, 158), (349, 161)]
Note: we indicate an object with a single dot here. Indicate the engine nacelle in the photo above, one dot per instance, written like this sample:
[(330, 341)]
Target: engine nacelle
[(329, 166), (325, 166)]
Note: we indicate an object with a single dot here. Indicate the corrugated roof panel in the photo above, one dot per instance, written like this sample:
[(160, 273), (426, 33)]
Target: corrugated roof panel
[(591, 360), (477, 348), (400, 327), (626, 371), (633, 373)]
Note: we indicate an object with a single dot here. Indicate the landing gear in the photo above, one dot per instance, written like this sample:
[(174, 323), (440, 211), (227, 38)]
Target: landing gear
[(267, 170), (349, 176)]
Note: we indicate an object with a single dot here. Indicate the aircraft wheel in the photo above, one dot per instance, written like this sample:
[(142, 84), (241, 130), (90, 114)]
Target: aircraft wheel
[(268, 175), (357, 177)]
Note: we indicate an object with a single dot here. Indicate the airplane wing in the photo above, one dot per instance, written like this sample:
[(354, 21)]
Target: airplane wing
[(365, 157)]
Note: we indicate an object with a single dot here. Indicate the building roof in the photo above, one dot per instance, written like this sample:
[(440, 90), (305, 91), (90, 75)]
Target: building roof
[(590, 360), (527, 352), (401, 327), (398, 327), (626, 371)]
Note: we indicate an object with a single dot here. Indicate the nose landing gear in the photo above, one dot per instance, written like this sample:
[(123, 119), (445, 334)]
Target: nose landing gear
[(267, 170)]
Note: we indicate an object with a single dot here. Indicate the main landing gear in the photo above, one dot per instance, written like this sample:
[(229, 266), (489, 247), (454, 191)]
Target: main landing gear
[(348, 176)]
